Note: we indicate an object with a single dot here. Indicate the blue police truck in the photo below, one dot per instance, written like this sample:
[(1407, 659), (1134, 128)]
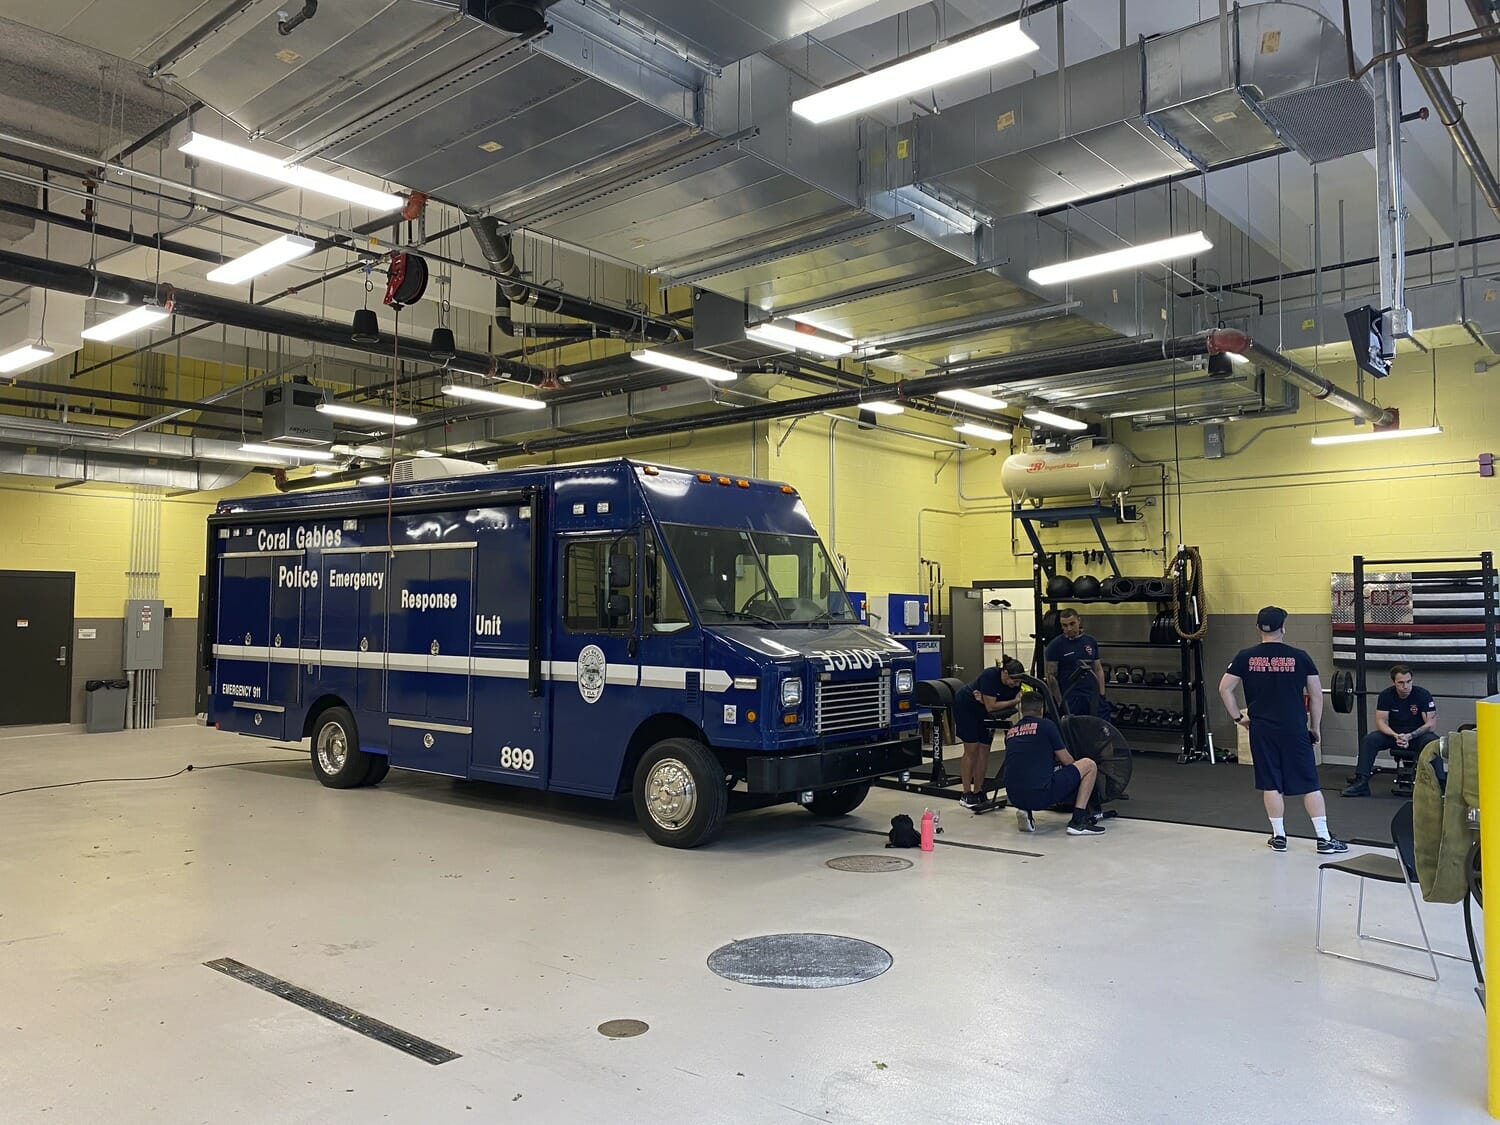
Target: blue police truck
[(600, 628)]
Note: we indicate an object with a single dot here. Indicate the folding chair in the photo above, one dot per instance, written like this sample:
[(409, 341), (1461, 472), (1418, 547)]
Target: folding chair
[(1399, 869)]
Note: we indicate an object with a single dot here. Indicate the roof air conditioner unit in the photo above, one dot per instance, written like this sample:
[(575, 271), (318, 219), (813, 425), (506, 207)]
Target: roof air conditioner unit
[(434, 468)]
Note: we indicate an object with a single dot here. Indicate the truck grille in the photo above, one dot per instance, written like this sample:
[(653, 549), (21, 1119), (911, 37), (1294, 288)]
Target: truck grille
[(865, 705)]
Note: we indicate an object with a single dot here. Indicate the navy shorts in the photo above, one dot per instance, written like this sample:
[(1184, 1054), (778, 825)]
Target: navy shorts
[(1061, 790), (1283, 759), (970, 721)]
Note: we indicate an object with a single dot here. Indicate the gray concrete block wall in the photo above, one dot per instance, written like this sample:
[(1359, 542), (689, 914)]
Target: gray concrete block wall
[(100, 659)]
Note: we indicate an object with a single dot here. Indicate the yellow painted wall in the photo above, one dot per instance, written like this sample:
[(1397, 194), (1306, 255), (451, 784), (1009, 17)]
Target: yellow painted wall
[(87, 530), (1278, 514)]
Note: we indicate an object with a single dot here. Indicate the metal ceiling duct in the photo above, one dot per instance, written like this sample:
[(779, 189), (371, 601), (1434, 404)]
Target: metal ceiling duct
[(1163, 107)]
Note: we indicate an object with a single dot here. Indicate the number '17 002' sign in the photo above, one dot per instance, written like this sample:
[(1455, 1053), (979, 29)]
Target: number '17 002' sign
[(1387, 595)]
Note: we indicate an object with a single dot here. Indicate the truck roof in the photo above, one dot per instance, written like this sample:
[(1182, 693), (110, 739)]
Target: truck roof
[(459, 486)]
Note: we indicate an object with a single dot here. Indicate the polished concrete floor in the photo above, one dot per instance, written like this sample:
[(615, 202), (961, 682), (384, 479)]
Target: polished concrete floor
[(1157, 974)]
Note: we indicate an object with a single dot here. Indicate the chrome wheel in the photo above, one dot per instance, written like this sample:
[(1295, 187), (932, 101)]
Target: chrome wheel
[(332, 748), (671, 794)]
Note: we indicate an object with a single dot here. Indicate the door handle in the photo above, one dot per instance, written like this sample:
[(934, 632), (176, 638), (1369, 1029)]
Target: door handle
[(62, 654)]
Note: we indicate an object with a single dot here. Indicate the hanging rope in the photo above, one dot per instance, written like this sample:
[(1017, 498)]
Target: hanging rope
[(1187, 582)]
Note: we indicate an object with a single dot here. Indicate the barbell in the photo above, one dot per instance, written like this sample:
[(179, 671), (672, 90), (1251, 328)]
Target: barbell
[(1343, 695)]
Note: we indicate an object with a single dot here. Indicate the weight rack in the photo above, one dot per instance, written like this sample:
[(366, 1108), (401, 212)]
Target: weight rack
[(1193, 697)]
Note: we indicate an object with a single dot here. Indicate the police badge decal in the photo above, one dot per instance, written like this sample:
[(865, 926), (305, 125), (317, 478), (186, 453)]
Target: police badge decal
[(591, 669)]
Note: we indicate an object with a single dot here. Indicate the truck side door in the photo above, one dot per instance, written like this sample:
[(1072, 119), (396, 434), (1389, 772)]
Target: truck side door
[(595, 675)]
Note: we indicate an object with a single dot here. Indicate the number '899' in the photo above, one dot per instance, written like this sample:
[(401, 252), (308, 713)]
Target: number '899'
[(515, 758)]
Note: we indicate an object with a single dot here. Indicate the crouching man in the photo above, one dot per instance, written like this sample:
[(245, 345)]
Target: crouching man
[(1040, 773)]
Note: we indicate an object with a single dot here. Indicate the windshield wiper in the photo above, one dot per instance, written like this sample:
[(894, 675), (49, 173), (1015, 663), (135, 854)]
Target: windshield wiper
[(746, 615)]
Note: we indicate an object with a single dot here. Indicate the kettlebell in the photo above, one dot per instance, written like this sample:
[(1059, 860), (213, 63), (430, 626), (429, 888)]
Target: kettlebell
[(1157, 679), (1138, 675), (1122, 675)]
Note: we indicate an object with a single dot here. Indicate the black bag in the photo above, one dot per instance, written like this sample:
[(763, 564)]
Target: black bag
[(903, 833)]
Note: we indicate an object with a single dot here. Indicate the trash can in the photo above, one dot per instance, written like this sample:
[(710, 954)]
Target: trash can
[(104, 705)]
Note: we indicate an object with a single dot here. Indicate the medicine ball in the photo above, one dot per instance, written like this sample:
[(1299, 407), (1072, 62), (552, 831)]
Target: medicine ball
[(1051, 627), (1059, 587), (1120, 587), (1086, 587)]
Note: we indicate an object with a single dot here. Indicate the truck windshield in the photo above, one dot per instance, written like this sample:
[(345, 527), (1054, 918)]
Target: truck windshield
[(757, 576)]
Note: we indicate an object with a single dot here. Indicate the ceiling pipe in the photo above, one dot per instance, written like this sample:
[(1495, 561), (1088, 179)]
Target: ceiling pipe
[(106, 395), (495, 245), (117, 234), (22, 269), (1450, 113), (1414, 17), (1484, 19), (1232, 340)]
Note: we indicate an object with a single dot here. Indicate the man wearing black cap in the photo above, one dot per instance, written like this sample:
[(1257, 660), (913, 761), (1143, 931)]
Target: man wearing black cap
[(1275, 675)]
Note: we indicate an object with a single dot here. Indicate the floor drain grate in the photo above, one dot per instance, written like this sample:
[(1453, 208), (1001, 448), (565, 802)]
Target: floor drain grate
[(333, 1010), (869, 863), (799, 961), (623, 1029)]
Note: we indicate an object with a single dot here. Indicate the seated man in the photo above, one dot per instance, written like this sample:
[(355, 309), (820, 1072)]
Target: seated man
[(1039, 771), (993, 695), (1405, 721)]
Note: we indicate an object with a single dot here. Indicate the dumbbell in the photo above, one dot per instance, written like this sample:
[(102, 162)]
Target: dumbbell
[(1126, 713)]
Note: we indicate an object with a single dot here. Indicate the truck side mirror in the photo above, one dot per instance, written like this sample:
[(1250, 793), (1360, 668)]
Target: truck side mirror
[(619, 571), (617, 606)]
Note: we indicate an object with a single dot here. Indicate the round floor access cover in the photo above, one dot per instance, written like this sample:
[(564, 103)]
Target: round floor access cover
[(869, 863), (799, 961)]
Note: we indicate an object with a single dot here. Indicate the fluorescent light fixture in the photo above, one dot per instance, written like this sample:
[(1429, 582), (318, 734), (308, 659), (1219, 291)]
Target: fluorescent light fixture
[(142, 316), (920, 72), (293, 175), (989, 433), (974, 399), (287, 452), (1059, 421), (883, 407), (372, 480), (24, 356), (360, 414), (1375, 435), (684, 365), (789, 333), (263, 259), (479, 394), (1129, 258)]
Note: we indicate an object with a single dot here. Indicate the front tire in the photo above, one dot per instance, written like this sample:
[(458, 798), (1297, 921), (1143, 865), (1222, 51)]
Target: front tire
[(337, 760), (838, 802), (380, 765), (680, 794)]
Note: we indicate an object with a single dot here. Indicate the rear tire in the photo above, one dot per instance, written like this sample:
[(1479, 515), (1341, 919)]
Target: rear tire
[(680, 793), (838, 802), (337, 760)]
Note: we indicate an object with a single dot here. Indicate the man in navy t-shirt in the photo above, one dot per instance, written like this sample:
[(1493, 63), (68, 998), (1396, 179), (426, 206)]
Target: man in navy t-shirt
[(1405, 721), (1074, 671), (1040, 773), (1275, 677), (992, 696)]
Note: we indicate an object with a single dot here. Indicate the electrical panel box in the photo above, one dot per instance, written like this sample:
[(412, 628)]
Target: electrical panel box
[(907, 614), (145, 629), (290, 414)]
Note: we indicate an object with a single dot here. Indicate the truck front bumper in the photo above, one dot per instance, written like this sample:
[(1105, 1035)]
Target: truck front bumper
[(825, 769)]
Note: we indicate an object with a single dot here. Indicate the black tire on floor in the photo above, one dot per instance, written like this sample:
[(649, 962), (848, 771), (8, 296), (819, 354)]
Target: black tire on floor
[(380, 765), (838, 802), (337, 760), (680, 793)]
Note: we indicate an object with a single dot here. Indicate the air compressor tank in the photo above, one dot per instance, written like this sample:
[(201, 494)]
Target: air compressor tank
[(1040, 475)]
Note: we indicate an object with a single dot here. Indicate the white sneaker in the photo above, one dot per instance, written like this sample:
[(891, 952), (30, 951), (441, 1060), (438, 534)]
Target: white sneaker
[(1024, 821)]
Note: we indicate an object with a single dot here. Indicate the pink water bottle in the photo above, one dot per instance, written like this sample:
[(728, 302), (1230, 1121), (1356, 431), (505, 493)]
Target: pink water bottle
[(927, 830)]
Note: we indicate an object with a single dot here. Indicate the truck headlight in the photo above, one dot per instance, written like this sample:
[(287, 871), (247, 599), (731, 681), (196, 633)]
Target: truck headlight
[(791, 692), (904, 682)]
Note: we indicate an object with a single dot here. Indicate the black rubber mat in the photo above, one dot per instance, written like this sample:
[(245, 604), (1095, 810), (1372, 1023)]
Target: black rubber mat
[(1224, 796), (333, 1010)]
